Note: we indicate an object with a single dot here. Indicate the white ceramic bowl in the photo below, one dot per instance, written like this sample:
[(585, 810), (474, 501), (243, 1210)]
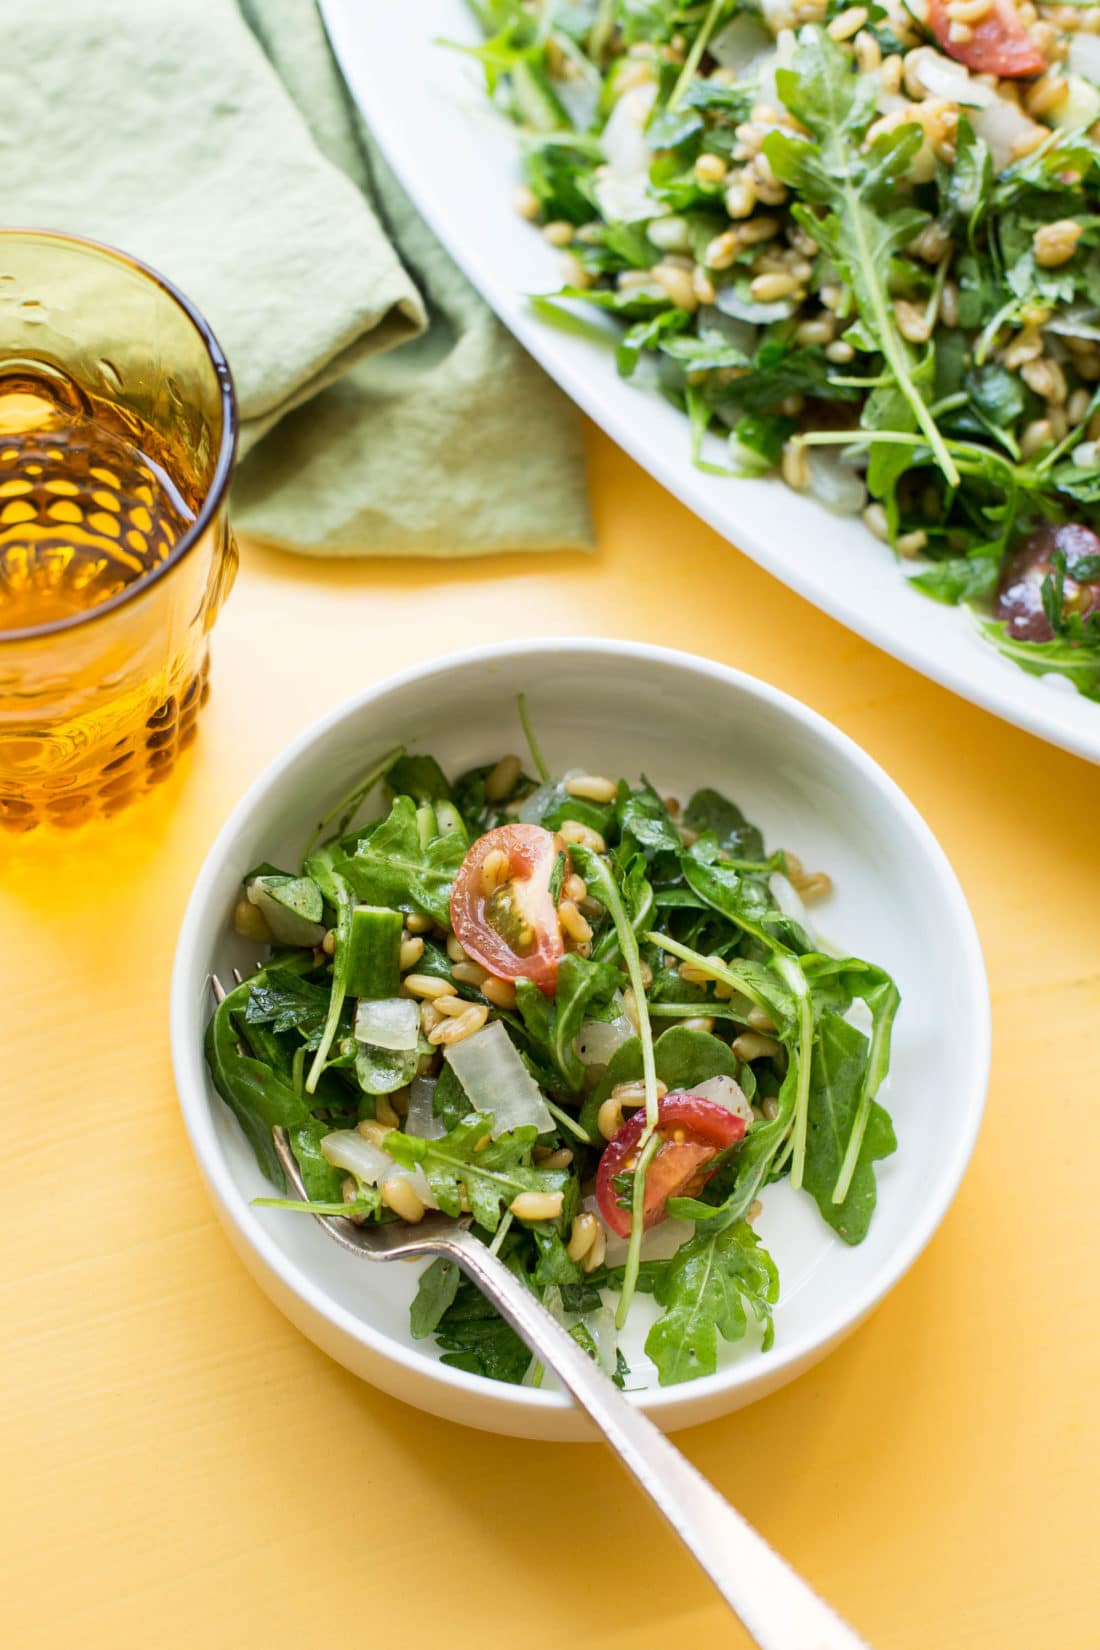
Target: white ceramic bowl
[(622, 708)]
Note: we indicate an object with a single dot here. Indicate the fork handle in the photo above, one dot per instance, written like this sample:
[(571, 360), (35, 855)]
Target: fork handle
[(777, 1607)]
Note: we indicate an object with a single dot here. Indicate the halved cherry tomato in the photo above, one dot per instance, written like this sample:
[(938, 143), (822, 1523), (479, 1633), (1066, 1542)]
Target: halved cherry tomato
[(999, 42), (513, 931), (1019, 598), (692, 1131)]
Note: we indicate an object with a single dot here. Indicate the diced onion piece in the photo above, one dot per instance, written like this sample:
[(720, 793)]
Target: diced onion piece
[(712, 318), (943, 77), (598, 1040), (835, 483), (741, 45), (601, 1326), (421, 1120), (621, 186), (659, 1243), (1076, 320), (724, 1091), (388, 1022), (496, 1080), (998, 125), (623, 138), (347, 1149), (776, 14), (532, 808), (624, 198), (1084, 56), (580, 99)]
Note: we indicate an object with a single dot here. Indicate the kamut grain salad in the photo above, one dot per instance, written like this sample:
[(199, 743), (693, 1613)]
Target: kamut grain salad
[(588, 1015), (863, 241)]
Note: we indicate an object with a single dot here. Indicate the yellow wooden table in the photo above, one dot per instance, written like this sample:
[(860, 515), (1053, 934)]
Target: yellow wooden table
[(182, 1470)]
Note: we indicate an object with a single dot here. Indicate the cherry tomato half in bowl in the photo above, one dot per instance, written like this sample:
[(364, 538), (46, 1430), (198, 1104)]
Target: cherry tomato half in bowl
[(503, 912), (999, 42), (693, 1132)]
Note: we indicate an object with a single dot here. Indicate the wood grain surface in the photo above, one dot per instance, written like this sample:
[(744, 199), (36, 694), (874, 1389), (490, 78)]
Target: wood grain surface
[(183, 1470)]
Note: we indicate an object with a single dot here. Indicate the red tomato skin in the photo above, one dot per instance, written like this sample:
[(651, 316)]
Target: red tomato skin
[(532, 852), (999, 42), (677, 1165)]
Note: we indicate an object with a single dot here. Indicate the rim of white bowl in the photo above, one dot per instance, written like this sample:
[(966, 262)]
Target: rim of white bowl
[(198, 1114)]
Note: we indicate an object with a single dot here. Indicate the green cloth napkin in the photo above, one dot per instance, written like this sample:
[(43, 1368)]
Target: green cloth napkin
[(384, 409)]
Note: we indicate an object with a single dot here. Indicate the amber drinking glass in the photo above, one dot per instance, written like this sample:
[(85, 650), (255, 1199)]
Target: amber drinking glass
[(117, 435)]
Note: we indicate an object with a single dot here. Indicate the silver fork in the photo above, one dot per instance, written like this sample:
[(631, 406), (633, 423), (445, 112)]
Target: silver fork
[(778, 1608)]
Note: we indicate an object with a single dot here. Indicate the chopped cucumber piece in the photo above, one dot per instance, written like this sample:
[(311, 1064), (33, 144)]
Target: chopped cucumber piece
[(448, 819), (374, 952), (425, 823), (292, 907)]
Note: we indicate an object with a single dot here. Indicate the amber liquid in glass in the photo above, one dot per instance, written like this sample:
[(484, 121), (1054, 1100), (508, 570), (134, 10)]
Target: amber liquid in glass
[(91, 501), (88, 502)]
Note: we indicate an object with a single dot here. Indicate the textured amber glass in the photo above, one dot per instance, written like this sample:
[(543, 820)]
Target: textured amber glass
[(117, 435)]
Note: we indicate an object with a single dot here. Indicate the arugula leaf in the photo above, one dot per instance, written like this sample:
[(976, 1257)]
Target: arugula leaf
[(391, 866), (745, 899), (759, 439), (553, 1266), (647, 335), (323, 1183), (581, 1297), (779, 370), (709, 811), (450, 1102), (474, 1338), (584, 990), (959, 579), (837, 1083), (707, 352), (435, 1293), (668, 128), (259, 1097), (1063, 656), (420, 777), (646, 827), (966, 186), (552, 162), (708, 1289), (864, 226), (997, 396), (278, 997), (468, 1162)]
